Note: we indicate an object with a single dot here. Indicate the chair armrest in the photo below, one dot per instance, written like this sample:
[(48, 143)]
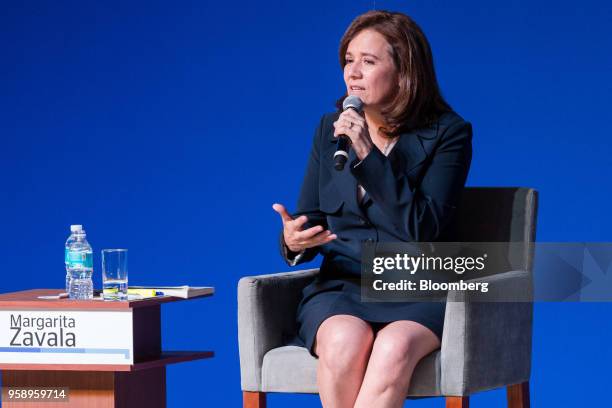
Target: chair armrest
[(267, 306), (486, 343)]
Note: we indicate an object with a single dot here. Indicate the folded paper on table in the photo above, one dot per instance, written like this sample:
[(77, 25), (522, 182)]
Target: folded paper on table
[(184, 292)]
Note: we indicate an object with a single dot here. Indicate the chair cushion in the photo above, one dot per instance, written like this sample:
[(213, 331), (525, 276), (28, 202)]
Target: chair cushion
[(293, 369)]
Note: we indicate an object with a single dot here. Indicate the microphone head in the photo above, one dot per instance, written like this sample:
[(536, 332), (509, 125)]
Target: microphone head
[(353, 102)]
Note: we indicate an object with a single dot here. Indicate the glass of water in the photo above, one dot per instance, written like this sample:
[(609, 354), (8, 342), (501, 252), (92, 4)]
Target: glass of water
[(115, 274)]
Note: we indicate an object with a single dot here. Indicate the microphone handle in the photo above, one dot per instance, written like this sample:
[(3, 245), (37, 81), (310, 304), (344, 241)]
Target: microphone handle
[(341, 155), (344, 142)]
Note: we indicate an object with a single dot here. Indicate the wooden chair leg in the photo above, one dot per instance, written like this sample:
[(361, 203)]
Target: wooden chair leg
[(251, 399), (518, 395), (457, 402)]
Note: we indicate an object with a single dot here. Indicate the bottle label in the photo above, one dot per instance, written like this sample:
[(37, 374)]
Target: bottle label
[(76, 259)]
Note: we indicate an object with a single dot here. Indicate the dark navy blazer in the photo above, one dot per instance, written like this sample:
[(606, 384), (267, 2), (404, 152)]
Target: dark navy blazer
[(411, 194)]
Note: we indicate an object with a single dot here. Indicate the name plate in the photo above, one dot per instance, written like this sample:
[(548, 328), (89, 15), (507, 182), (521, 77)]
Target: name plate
[(66, 337)]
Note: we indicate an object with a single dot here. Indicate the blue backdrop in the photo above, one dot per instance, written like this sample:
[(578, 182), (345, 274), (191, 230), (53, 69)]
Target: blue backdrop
[(170, 128)]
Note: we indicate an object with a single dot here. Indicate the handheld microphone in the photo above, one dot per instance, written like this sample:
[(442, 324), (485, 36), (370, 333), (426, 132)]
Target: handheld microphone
[(344, 143)]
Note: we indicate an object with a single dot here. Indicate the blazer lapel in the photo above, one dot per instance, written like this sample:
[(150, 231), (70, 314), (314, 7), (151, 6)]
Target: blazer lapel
[(408, 153)]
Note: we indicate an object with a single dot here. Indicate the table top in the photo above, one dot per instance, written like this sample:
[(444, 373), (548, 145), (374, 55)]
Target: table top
[(28, 299)]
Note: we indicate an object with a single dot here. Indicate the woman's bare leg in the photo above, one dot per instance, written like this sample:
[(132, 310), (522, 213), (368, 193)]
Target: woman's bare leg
[(397, 349), (343, 344)]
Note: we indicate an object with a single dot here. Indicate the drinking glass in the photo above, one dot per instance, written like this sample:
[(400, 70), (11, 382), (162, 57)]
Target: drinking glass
[(115, 274)]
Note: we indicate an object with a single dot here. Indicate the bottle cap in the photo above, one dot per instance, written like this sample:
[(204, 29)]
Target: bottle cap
[(76, 228)]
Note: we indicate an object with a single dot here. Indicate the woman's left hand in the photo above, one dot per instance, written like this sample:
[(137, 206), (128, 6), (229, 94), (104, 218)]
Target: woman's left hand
[(354, 126)]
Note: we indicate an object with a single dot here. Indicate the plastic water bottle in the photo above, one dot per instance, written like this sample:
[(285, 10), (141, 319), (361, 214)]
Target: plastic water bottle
[(79, 264), (69, 241)]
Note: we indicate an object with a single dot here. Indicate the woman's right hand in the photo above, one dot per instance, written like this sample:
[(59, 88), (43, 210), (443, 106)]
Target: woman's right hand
[(298, 239)]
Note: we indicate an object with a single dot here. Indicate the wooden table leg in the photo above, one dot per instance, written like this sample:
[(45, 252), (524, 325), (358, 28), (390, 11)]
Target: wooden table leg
[(92, 389)]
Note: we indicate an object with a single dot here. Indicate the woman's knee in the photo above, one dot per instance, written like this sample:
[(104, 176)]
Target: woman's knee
[(344, 342), (405, 341), (392, 349)]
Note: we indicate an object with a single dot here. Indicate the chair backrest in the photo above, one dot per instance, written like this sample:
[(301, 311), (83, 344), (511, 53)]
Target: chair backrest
[(498, 214)]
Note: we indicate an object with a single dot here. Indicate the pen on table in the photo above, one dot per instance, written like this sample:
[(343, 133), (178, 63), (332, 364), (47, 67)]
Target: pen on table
[(145, 292), (58, 296)]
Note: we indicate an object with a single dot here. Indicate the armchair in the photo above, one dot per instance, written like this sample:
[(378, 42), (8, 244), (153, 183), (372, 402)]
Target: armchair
[(485, 345)]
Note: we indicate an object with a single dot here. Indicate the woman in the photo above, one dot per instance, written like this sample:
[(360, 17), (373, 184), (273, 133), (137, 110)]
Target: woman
[(409, 159)]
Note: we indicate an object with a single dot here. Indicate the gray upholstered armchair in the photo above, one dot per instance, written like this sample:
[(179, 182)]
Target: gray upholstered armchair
[(484, 345)]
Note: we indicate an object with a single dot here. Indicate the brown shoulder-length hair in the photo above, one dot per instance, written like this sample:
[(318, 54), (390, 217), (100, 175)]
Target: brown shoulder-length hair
[(418, 101)]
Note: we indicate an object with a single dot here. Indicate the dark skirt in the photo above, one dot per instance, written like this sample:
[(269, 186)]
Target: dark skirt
[(345, 298)]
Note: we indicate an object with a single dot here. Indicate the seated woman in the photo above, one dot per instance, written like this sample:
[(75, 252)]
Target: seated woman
[(409, 159)]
